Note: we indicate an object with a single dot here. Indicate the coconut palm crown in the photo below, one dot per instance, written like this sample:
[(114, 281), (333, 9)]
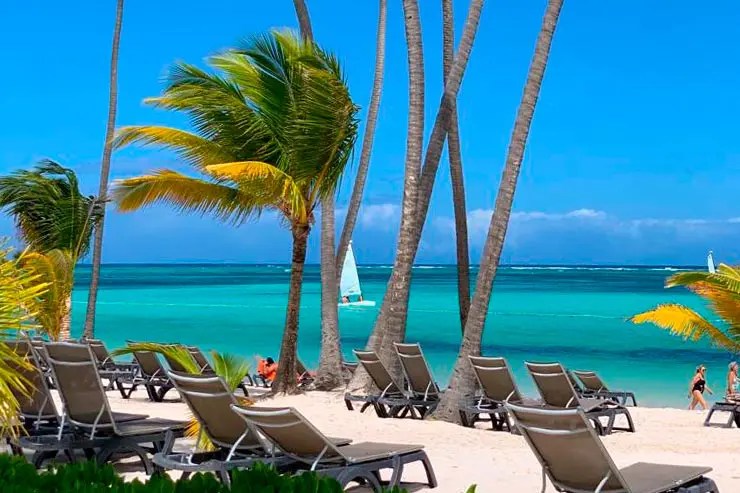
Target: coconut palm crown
[(722, 292), (272, 129)]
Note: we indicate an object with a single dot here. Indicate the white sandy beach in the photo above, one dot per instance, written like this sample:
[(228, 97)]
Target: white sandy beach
[(499, 461)]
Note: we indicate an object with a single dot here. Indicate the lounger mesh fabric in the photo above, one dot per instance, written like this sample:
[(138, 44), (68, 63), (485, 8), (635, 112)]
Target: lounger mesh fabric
[(574, 459), (418, 375), (387, 388), (36, 404), (594, 385), (298, 438), (557, 391)]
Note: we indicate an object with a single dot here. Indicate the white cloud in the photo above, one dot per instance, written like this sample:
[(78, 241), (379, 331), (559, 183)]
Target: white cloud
[(379, 216)]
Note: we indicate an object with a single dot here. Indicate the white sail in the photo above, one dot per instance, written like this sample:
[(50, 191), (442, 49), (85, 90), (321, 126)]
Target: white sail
[(350, 282), (710, 263)]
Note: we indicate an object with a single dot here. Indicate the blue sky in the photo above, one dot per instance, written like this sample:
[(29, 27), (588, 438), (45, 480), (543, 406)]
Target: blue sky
[(634, 155)]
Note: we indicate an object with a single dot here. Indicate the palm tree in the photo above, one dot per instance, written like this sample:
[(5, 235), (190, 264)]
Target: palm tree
[(92, 294), (329, 373), (53, 219), (368, 138), (273, 131), (19, 289), (722, 292), (456, 171), (462, 381), (390, 326)]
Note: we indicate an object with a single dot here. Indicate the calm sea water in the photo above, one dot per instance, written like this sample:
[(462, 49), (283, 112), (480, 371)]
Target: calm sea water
[(575, 315)]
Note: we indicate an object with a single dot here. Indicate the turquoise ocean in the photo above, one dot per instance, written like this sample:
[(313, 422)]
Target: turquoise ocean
[(575, 315)]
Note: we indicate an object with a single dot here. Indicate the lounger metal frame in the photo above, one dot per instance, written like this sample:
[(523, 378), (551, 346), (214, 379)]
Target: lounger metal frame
[(594, 386), (420, 403), (595, 409)]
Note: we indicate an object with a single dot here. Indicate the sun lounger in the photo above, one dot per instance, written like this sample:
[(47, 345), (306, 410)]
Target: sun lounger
[(118, 374), (727, 406), (390, 395), (298, 439), (151, 375), (497, 387), (420, 383), (236, 445), (556, 390), (89, 415), (575, 461), (594, 386)]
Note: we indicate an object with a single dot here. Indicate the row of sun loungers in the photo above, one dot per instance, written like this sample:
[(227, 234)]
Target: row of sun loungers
[(241, 435), (565, 419)]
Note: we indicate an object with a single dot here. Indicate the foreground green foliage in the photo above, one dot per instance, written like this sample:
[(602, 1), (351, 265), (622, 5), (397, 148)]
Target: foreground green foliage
[(18, 476), (20, 290)]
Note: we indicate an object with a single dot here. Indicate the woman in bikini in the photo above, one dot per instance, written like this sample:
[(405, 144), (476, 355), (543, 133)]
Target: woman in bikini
[(732, 381), (697, 386)]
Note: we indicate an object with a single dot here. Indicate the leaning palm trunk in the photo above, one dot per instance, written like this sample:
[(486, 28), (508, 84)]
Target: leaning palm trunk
[(393, 329), (286, 382), (92, 296), (367, 141), (462, 381), (329, 374), (395, 301), (456, 171)]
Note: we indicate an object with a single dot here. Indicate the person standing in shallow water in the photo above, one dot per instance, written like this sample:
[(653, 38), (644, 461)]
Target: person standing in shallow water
[(697, 386)]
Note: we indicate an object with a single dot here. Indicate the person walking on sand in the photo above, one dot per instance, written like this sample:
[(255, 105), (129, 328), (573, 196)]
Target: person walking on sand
[(697, 386), (732, 381)]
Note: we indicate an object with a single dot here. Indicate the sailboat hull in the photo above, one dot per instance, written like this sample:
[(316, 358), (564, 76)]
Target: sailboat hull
[(358, 303)]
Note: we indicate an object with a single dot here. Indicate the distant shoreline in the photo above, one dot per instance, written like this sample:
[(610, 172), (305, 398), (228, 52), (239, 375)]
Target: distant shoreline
[(388, 266)]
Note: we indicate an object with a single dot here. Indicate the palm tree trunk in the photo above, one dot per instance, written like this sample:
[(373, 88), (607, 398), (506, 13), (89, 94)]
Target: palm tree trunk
[(367, 141), (65, 324), (399, 288), (92, 296), (286, 382), (329, 374), (456, 171), (395, 302), (462, 381)]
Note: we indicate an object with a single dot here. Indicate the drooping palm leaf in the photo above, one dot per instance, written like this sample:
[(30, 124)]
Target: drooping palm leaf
[(55, 268), (19, 290), (722, 292), (49, 210)]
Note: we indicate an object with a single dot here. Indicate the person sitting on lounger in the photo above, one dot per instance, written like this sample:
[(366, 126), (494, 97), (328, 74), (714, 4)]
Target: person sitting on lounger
[(732, 381), (267, 369), (697, 386)]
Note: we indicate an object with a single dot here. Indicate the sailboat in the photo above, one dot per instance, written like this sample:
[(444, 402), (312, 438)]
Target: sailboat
[(710, 263), (349, 285)]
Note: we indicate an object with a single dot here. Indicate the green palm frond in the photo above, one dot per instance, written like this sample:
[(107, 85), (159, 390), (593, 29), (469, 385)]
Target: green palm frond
[(19, 290), (49, 209), (278, 101), (232, 369), (55, 269)]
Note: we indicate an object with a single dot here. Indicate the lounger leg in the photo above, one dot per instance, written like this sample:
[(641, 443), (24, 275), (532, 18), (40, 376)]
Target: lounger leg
[(349, 405), (431, 477), (464, 419), (365, 406), (397, 471)]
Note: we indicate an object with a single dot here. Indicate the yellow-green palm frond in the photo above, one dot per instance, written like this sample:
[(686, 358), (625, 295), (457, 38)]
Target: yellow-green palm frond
[(20, 289), (185, 193), (172, 352), (265, 185), (685, 322), (194, 149), (55, 268), (232, 369), (726, 277)]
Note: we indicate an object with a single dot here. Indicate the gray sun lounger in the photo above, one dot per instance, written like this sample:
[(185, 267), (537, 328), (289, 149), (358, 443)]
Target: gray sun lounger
[(152, 375), (594, 386), (118, 374), (557, 391), (390, 395), (88, 413), (420, 384), (297, 438), (575, 461), (729, 406), (497, 387), (210, 400)]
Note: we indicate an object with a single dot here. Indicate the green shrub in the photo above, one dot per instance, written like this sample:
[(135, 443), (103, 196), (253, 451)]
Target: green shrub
[(18, 476)]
